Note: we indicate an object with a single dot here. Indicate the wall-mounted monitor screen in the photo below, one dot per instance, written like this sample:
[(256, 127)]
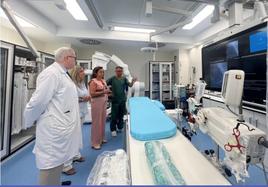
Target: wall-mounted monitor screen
[(216, 74), (258, 41), (246, 51), (232, 49)]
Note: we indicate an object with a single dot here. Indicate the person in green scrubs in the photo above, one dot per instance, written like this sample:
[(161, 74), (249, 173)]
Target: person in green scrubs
[(119, 86)]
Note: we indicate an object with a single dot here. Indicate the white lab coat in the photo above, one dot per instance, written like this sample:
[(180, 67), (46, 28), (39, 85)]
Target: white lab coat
[(54, 105)]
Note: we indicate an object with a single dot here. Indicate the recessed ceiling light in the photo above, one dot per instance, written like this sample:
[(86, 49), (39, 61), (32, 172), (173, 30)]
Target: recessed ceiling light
[(128, 29), (76, 11), (203, 14)]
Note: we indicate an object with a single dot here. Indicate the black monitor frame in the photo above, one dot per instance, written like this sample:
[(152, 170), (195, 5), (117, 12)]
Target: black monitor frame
[(217, 52)]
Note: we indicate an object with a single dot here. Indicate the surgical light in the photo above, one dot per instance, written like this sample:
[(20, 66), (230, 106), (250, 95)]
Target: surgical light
[(203, 14), (76, 11), (128, 29)]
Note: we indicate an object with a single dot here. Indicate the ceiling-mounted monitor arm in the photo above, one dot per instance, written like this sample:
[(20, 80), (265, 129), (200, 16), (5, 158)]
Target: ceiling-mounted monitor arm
[(94, 13), (212, 2), (10, 15), (170, 28)]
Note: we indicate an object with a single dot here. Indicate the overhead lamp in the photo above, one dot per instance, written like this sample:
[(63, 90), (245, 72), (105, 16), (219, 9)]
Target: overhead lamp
[(128, 29), (203, 14), (76, 11), (22, 22)]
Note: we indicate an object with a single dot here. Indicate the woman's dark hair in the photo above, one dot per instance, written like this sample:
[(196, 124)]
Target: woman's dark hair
[(95, 72)]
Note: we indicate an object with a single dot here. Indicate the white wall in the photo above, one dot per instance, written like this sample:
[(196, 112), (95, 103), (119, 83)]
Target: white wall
[(195, 57), (12, 36), (189, 58), (184, 67), (51, 47), (137, 61)]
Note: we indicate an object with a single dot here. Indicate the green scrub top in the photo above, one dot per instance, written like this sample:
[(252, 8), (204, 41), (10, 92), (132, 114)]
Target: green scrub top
[(119, 88)]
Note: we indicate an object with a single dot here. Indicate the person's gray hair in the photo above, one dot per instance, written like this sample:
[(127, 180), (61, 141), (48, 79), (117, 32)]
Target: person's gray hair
[(61, 53)]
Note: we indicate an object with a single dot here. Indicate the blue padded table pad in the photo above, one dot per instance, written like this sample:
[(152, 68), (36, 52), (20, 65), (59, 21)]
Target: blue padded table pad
[(159, 104), (148, 122)]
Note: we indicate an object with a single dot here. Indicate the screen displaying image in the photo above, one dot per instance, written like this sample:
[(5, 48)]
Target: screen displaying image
[(232, 49), (258, 41), (217, 71)]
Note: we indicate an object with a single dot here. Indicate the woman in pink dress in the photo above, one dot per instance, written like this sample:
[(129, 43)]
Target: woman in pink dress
[(99, 95)]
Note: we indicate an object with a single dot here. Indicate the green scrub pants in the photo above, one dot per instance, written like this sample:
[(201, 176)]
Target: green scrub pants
[(118, 112)]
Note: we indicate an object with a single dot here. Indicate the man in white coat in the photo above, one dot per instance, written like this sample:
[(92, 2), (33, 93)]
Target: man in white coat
[(54, 108)]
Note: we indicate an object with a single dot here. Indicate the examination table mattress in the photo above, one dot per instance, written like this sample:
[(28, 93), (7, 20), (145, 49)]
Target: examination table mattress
[(148, 121)]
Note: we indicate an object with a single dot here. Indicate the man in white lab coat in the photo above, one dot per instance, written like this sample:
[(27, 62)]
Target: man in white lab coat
[(54, 108)]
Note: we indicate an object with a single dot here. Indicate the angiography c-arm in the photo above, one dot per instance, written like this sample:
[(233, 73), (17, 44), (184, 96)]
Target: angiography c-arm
[(102, 59)]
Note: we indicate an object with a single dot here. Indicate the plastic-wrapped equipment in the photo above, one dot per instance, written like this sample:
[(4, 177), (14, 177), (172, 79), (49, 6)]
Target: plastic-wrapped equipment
[(110, 168), (163, 170)]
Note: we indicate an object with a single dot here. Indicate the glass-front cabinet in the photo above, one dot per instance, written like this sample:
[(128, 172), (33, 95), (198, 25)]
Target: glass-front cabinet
[(161, 80), (154, 81), (6, 68), (18, 73)]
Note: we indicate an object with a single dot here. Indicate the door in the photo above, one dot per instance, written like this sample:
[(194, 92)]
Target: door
[(6, 66)]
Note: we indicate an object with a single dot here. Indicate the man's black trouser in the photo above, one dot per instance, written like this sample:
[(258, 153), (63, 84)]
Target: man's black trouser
[(118, 112)]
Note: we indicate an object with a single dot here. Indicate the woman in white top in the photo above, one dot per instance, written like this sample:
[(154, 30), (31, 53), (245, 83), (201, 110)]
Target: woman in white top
[(78, 75)]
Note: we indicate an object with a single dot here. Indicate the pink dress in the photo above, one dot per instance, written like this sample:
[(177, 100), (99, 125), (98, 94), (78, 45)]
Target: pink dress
[(98, 112)]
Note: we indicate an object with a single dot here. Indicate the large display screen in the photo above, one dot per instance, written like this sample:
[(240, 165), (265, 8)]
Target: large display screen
[(258, 41), (232, 49), (217, 71), (243, 51)]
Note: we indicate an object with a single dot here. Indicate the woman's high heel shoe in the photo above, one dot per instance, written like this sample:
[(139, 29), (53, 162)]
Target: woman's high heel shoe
[(96, 147)]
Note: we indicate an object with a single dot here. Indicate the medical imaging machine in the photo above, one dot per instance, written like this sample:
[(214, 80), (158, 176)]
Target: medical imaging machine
[(102, 59)]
